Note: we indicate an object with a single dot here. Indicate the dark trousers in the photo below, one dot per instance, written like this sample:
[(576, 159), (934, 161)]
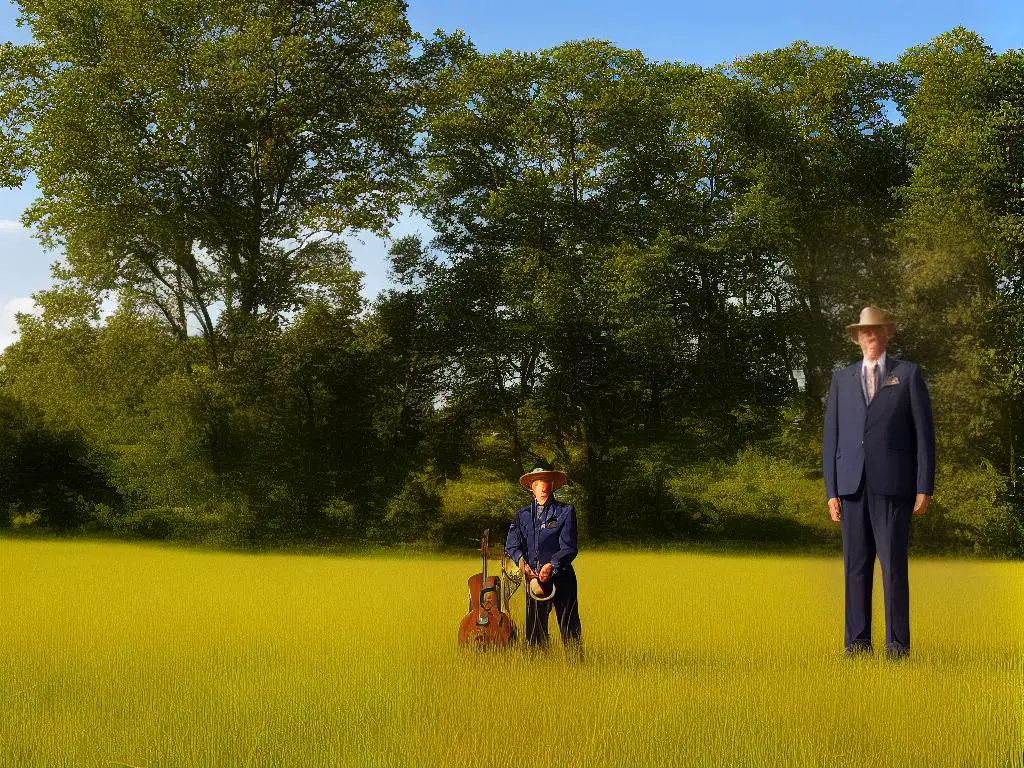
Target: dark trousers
[(567, 610), (876, 524)]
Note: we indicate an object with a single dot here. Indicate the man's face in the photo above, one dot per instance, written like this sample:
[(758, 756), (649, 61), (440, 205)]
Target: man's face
[(541, 490), (873, 340)]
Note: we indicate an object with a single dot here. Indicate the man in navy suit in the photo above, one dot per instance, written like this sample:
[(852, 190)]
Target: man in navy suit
[(879, 461), (542, 540)]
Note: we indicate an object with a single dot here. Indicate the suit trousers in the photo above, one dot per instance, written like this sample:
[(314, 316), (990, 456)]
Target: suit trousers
[(567, 609), (876, 524)]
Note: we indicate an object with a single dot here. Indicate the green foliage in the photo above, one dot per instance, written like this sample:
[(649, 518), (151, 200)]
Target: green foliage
[(641, 270), (970, 512), (205, 156), (477, 500), (413, 513), (817, 167), (963, 261), (121, 389), (161, 523), (640, 496), (46, 473), (757, 497)]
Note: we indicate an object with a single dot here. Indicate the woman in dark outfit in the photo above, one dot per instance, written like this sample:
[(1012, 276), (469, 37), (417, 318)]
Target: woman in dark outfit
[(542, 541)]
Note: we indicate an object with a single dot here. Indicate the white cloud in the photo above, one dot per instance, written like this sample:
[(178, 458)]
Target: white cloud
[(9, 225), (8, 324)]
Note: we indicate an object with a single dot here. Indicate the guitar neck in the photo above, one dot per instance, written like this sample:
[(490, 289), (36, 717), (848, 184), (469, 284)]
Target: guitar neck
[(484, 545)]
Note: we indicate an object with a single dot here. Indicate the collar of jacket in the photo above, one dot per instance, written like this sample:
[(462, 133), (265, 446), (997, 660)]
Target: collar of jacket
[(890, 364), (554, 508)]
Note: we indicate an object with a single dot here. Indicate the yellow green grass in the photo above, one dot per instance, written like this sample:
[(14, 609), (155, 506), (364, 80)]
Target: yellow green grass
[(114, 654)]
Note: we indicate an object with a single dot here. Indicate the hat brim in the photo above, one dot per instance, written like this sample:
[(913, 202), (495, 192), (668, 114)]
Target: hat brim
[(851, 330), (558, 479), (542, 598)]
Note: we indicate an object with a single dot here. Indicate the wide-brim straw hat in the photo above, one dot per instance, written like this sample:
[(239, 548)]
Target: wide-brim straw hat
[(540, 591), (870, 317), (540, 471)]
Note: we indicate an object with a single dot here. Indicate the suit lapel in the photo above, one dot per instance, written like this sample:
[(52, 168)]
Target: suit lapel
[(860, 405), (890, 366)]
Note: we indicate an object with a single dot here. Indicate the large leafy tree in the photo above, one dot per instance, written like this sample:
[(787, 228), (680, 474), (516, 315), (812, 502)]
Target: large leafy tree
[(538, 167), (649, 245), (200, 161), (204, 155), (587, 262), (817, 173), (963, 248)]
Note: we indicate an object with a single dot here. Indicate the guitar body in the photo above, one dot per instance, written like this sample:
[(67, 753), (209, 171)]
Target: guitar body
[(485, 625)]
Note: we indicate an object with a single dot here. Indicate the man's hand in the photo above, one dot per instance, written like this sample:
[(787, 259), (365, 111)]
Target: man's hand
[(526, 570), (835, 509), (921, 504), (545, 572)]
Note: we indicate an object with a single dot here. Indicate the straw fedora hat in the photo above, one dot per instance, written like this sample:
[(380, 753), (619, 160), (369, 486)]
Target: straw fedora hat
[(542, 470), (870, 316), (541, 590)]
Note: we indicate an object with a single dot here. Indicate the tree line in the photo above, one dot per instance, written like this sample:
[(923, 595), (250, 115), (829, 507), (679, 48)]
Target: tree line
[(639, 269)]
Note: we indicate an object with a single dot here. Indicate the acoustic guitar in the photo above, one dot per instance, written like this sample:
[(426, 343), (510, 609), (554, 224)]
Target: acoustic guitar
[(485, 625)]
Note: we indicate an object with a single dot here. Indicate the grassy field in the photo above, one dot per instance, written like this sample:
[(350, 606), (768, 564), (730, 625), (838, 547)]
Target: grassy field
[(114, 654)]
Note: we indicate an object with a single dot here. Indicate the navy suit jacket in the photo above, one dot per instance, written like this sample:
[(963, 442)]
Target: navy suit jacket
[(551, 540), (890, 443)]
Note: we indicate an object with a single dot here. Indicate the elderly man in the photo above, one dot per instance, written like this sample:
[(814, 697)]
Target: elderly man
[(879, 463), (542, 541)]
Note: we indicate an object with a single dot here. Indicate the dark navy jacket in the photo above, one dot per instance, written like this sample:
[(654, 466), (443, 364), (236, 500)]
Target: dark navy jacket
[(890, 443), (551, 540)]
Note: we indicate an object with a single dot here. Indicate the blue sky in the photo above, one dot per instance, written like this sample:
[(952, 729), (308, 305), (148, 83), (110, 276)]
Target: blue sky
[(703, 33)]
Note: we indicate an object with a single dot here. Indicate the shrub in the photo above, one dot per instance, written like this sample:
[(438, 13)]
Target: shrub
[(969, 512), (758, 497), (23, 518), (477, 500), (413, 514), (645, 500)]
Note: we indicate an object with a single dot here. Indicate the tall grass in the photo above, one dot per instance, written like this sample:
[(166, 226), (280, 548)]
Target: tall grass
[(119, 654)]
